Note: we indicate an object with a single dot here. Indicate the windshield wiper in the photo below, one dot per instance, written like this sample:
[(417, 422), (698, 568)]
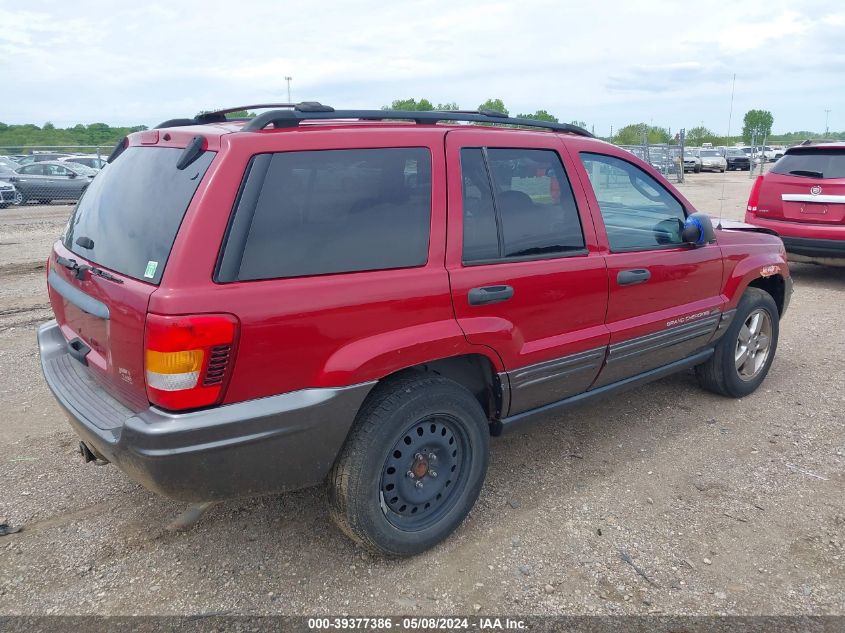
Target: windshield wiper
[(807, 173), (79, 269)]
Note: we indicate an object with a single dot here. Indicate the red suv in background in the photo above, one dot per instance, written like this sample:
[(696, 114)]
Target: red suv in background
[(364, 297), (802, 199)]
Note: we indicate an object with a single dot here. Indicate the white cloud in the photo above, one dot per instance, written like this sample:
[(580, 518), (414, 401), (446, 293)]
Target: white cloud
[(608, 63)]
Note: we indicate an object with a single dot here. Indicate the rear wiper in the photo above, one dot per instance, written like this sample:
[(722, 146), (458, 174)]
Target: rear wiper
[(105, 275), (806, 172), (79, 269)]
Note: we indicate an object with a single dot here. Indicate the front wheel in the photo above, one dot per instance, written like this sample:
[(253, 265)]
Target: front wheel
[(412, 466), (745, 353)]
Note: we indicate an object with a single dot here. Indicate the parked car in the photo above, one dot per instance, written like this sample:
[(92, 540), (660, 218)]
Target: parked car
[(52, 180), (661, 160), (439, 284), (802, 199), (89, 160), (41, 157), (692, 162), (712, 160), (737, 159), (8, 194), (9, 163)]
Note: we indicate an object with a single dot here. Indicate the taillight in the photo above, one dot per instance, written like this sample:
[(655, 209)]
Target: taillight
[(754, 196), (188, 359)]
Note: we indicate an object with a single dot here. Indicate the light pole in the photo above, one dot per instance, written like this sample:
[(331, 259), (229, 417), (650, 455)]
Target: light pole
[(288, 80), (826, 120)]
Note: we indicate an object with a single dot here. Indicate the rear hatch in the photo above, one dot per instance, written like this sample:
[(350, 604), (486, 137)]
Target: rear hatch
[(111, 257), (806, 185)]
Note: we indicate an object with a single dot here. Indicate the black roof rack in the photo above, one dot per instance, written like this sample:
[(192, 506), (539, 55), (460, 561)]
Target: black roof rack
[(292, 114), (219, 116), (293, 117)]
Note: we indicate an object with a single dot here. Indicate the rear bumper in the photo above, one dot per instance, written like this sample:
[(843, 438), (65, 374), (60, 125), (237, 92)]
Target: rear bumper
[(815, 248), (273, 444), (805, 239)]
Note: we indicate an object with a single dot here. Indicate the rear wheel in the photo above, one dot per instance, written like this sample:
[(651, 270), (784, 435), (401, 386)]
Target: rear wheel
[(412, 466), (745, 353)]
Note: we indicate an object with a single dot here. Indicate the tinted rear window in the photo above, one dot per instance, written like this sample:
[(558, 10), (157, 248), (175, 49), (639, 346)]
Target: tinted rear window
[(812, 163), (331, 211), (132, 210)]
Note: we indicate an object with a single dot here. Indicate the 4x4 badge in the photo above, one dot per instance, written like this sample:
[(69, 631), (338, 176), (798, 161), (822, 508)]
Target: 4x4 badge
[(815, 190)]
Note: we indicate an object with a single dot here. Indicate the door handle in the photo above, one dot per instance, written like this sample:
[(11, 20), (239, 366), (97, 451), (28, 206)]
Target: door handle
[(489, 294), (634, 276)]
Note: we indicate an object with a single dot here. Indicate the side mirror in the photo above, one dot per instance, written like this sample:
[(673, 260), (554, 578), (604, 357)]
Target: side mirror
[(698, 230), (72, 174)]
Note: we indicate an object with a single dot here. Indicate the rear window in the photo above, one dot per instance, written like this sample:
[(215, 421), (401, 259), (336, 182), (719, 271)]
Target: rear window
[(132, 211), (812, 163), (330, 211)]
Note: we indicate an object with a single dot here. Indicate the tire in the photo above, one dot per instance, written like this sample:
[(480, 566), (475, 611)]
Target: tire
[(430, 415), (20, 199), (697, 169), (732, 371)]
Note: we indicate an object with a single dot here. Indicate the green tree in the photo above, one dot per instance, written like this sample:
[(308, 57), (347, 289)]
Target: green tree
[(698, 135), (448, 106), (494, 104), (635, 133), (757, 123), (582, 124), (539, 115), (410, 105)]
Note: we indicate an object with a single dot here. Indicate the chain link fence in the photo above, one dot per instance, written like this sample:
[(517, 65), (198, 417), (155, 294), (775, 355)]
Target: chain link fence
[(664, 157), (48, 174)]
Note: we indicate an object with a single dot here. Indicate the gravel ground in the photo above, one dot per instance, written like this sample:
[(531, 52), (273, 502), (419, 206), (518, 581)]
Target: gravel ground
[(663, 500)]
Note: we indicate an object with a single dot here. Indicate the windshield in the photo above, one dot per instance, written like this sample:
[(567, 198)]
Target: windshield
[(132, 211), (812, 163), (710, 152), (736, 152)]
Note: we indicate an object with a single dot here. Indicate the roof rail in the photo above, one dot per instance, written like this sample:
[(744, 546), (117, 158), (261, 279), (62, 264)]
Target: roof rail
[(219, 116), (293, 117)]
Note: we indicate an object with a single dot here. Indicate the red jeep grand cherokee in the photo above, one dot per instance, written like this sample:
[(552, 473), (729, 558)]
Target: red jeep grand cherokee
[(802, 199), (365, 297)]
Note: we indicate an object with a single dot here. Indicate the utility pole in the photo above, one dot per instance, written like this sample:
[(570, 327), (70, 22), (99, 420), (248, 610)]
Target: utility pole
[(826, 120), (288, 80)]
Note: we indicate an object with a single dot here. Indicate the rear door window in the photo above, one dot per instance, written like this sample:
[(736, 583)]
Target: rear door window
[(133, 209), (331, 211), (518, 203), (812, 163)]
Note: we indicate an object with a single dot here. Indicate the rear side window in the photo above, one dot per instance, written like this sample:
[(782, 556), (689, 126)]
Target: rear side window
[(517, 203), (330, 211), (812, 163), (132, 210)]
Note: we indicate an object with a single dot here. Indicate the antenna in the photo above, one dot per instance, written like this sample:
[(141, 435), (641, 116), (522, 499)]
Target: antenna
[(725, 173)]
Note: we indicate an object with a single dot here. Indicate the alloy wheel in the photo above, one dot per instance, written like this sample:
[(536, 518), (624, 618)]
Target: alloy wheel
[(753, 344)]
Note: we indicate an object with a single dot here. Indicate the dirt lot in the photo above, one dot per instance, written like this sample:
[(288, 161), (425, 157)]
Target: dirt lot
[(726, 506)]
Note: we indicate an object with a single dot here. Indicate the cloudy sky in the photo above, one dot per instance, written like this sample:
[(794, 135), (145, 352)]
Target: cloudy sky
[(607, 63)]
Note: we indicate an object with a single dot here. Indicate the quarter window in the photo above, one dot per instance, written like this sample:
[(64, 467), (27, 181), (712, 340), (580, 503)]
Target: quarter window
[(638, 212), (333, 211), (517, 203)]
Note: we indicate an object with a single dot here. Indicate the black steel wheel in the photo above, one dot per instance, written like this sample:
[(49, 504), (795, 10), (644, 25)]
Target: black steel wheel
[(412, 466), (424, 472)]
